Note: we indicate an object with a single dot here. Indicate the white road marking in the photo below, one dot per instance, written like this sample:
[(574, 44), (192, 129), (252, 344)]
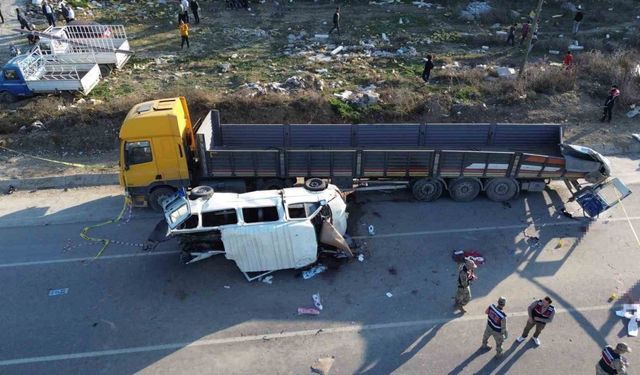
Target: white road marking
[(87, 259), (357, 328), (503, 227), (377, 236)]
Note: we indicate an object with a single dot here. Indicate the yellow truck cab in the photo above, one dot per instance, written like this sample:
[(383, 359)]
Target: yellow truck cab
[(156, 144)]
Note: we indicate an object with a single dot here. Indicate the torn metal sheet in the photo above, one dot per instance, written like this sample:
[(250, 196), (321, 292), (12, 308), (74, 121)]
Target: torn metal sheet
[(631, 312)]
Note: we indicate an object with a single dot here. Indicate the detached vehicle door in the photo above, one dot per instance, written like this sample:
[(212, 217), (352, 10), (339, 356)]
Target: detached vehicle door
[(267, 241)]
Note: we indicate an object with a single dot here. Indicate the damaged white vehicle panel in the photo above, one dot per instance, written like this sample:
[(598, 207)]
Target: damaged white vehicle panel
[(262, 231)]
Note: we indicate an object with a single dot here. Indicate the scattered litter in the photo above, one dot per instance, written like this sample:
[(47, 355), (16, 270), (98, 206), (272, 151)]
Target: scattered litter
[(337, 50), (360, 258), (372, 230), (227, 287), (58, 292), (486, 48), (317, 302), (533, 241), (636, 136), (322, 36), (501, 33), (313, 271), (613, 297), (574, 47), (407, 51), (267, 279), (12, 189), (389, 294), (385, 37), (631, 312), (422, 4), (459, 256), (474, 10), (506, 72), (633, 113), (554, 52), (322, 366), (308, 311), (559, 244)]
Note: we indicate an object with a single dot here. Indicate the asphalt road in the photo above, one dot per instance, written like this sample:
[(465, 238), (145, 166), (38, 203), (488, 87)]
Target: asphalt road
[(129, 311)]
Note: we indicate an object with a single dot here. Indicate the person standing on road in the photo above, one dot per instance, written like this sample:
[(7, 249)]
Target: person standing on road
[(496, 326), (466, 275), (336, 21), (185, 8), (184, 34), (48, 13), (512, 34), (612, 361), (541, 312), (614, 93), (428, 66), (577, 20), (193, 4), (24, 22), (526, 27), (568, 60)]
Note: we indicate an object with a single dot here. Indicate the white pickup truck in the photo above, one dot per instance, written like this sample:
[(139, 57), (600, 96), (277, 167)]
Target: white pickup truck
[(36, 73), (262, 231), (107, 43)]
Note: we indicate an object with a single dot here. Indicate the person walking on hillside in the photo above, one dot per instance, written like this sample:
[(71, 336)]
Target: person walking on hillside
[(612, 361), (1, 16), (428, 66), (541, 312), (67, 12), (185, 8), (336, 21), (568, 60), (48, 13), (526, 27), (577, 20), (496, 326), (614, 93), (511, 37), (24, 22), (193, 4), (184, 34), (466, 275)]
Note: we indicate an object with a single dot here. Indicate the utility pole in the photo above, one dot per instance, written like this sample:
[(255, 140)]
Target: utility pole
[(534, 30)]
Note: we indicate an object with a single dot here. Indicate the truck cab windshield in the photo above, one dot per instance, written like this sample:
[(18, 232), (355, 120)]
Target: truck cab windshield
[(137, 152)]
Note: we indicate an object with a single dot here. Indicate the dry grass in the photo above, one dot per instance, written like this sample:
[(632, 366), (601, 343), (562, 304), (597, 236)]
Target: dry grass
[(614, 69)]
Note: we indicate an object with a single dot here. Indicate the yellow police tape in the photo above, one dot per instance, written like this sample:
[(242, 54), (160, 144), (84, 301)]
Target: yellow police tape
[(45, 159), (105, 242)]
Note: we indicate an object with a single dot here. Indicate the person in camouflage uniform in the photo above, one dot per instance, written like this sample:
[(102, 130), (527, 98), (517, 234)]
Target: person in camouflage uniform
[(466, 275)]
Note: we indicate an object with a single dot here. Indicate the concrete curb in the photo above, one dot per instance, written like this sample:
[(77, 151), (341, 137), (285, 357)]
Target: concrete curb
[(632, 147), (59, 182)]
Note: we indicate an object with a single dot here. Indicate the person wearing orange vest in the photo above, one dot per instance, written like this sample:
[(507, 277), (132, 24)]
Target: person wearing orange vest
[(540, 313), (612, 361), (184, 33), (496, 326)]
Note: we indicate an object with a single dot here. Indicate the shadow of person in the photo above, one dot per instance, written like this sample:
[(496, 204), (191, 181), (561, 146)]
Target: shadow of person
[(508, 358)]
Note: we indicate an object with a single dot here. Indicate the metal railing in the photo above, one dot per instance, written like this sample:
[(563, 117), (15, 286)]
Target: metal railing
[(86, 38), (38, 66)]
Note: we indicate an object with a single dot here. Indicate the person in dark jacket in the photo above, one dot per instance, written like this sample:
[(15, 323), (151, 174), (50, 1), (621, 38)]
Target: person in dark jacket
[(48, 12), (336, 21), (193, 4), (428, 66), (526, 27), (577, 20), (24, 22), (512, 34), (614, 93)]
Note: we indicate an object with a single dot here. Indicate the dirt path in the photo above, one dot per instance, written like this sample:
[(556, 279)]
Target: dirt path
[(7, 37)]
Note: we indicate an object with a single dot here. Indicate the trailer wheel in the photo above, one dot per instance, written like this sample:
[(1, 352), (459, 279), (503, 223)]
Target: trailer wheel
[(427, 189), (315, 184), (501, 189), (464, 189), (201, 191), (157, 196)]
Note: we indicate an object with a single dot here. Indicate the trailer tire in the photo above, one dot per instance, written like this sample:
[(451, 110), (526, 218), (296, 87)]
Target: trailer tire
[(501, 189), (158, 195), (427, 189), (273, 184), (315, 184), (202, 191), (464, 189)]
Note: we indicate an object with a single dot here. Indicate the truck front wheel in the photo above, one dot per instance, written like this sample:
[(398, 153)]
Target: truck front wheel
[(427, 189), (7, 97), (157, 196)]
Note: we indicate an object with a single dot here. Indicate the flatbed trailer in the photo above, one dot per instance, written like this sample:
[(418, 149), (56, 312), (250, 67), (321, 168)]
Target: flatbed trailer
[(463, 159)]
